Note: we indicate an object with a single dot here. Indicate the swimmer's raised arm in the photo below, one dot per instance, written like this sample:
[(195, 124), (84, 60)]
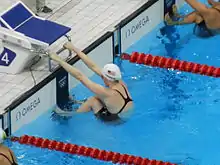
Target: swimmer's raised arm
[(84, 58), (94, 87)]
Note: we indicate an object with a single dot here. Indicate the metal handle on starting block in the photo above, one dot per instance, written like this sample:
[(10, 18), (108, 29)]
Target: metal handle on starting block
[(68, 38), (58, 52)]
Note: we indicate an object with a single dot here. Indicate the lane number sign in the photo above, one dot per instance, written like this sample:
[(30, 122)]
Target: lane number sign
[(6, 57)]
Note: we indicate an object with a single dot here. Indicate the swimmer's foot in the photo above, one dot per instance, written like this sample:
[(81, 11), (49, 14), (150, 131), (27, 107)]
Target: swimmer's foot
[(73, 100), (175, 11), (78, 101), (168, 20), (61, 112)]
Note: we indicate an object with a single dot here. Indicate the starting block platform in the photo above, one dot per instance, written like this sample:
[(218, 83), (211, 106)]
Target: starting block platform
[(23, 36)]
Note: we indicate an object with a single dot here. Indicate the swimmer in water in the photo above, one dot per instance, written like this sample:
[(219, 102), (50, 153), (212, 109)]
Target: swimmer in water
[(7, 157), (206, 17), (110, 103)]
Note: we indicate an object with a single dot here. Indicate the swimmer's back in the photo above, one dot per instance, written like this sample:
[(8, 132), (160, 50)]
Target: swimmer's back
[(8, 153), (115, 102)]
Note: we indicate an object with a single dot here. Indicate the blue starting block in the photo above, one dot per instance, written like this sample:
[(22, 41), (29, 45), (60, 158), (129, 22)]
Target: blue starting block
[(21, 34)]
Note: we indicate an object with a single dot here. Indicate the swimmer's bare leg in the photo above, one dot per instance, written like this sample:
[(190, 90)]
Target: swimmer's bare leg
[(78, 101), (188, 19), (91, 104), (198, 6), (74, 101), (62, 112), (67, 112)]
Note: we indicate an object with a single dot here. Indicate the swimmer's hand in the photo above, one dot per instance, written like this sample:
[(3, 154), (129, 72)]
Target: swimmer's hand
[(69, 45), (55, 57)]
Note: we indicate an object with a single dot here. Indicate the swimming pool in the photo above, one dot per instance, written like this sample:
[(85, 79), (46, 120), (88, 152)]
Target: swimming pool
[(175, 119)]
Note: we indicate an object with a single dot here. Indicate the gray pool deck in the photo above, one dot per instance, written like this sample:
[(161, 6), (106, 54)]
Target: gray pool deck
[(89, 19)]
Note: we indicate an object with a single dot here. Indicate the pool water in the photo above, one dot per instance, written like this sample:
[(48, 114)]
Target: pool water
[(176, 115)]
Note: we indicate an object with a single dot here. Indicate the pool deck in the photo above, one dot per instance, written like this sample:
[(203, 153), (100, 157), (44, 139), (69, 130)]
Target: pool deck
[(86, 28)]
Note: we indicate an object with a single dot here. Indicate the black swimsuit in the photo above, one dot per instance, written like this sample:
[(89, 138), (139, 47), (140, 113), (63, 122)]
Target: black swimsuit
[(105, 115), (13, 161), (202, 30)]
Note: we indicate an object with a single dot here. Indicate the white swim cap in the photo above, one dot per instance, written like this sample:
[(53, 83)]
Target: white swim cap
[(3, 135), (111, 72)]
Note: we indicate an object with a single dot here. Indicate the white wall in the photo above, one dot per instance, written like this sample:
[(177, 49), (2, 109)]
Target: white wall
[(33, 107), (1, 126), (101, 55), (141, 25)]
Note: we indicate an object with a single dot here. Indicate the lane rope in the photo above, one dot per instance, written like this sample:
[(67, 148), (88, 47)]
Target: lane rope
[(86, 151), (163, 62)]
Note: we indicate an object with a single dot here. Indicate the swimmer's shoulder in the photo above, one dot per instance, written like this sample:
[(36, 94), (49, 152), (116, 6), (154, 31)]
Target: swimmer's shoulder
[(7, 152)]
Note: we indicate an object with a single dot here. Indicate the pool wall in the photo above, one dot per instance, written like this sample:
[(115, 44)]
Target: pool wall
[(134, 30), (55, 88)]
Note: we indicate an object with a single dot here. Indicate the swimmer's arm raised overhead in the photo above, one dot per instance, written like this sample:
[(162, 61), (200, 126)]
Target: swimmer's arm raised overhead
[(94, 87), (84, 58)]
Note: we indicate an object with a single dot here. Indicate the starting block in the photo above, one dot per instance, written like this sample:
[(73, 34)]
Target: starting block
[(23, 35)]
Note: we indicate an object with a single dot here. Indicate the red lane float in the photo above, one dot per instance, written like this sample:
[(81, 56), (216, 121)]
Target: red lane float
[(86, 151), (163, 62)]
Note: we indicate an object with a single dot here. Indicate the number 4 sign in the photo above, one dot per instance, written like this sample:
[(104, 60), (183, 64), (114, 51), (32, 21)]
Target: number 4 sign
[(6, 57)]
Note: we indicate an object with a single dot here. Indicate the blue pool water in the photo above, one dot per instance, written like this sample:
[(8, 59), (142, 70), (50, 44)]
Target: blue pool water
[(176, 115)]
